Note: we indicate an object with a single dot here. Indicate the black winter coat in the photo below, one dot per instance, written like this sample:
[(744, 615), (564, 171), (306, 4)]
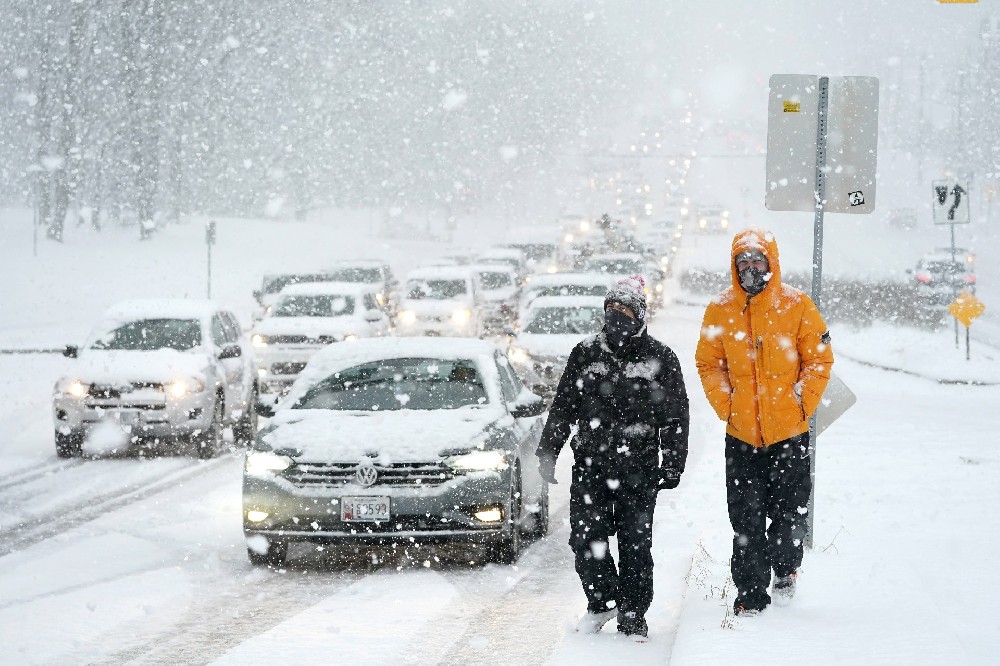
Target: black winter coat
[(630, 406)]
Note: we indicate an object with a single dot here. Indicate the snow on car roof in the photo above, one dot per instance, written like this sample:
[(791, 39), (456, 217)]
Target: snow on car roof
[(501, 253), (567, 302), (437, 272), (343, 355), (555, 279), (358, 263), (327, 289), (490, 268), (617, 256), (162, 308)]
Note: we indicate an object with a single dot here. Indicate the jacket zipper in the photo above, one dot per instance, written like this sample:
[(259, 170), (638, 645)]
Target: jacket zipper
[(753, 368)]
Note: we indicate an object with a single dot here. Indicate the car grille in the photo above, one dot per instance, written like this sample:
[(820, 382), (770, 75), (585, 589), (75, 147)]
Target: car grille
[(424, 523), (108, 392), (312, 475), (287, 368)]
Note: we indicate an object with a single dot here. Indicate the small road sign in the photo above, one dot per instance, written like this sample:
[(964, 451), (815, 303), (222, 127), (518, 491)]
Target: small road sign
[(951, 202), (966, 307)]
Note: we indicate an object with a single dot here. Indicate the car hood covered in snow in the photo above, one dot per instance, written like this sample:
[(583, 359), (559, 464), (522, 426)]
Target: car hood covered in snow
[(385, 437), (106, 367), (547, 345)]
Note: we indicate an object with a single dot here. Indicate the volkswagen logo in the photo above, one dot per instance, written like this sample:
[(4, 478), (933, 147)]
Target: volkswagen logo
[(366, 475)]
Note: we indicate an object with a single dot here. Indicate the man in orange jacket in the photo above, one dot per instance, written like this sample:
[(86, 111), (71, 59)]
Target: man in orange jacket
[(764, 358)]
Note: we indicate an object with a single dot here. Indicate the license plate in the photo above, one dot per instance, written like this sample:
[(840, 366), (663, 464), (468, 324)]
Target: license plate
[(364, 509), (127, 418)]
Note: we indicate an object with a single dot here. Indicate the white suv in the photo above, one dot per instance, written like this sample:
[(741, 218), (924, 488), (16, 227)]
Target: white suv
[(175, 371)]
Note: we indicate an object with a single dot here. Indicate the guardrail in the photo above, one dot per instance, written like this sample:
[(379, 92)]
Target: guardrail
[(30, 351)]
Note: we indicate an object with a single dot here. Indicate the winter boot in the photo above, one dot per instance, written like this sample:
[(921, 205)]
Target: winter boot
[(592, 621), (783, 589), (633, 626)]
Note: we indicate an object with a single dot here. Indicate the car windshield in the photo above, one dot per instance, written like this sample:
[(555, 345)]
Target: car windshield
[(613, 266), (314, 306), (536, 251), (150, 335), (490, 280), (274, 284), (438, 290), (943, 267), (565, 321), (398, 383), (365, 275)]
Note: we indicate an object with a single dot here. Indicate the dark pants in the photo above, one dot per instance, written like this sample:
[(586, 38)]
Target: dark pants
[(605, 501), (769, 483)]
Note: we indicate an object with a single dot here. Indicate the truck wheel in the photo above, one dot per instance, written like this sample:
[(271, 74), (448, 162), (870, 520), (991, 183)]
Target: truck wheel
[(69, 446)]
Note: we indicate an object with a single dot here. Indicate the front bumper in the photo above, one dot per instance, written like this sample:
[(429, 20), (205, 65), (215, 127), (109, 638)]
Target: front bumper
[(434, 325), (278, 366), (429, 513), (145, 413)]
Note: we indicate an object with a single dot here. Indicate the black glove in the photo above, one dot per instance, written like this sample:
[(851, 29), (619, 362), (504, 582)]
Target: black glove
[(669, 478), (547, 469)]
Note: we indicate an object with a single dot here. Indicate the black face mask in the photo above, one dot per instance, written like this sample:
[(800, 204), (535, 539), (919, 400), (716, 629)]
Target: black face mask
[(752, 280), (619, 327)]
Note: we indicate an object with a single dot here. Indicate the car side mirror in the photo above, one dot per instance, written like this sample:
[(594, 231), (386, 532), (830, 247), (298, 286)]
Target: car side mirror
[(373, 316), (265, 409), (909, 271), (230, 351), (258, 295), (71, 351), (533, 407)]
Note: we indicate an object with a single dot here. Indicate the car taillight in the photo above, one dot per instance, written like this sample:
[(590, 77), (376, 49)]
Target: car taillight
[(926, 279), (969, 279)]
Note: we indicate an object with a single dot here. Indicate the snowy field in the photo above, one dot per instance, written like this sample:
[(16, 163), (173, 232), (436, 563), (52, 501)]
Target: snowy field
[(128, 560)]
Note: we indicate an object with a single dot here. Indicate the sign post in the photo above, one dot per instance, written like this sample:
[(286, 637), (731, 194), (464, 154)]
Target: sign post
[(209, 242), (822, 152), (951, 207)]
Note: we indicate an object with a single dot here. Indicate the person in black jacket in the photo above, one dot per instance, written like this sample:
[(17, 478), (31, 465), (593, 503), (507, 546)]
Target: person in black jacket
[(623, 394)]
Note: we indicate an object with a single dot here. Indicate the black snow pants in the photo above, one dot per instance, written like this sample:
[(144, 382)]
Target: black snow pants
[(769, 483), (605, 501)]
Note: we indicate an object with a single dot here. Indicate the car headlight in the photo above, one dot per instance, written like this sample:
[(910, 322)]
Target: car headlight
[(259, 340), (665, 260), (264, 463), (552, 269), (76, 388), (461, 316), (407, 316), (183, 387), (518, 355), (479, 461), (659, 288), (380, 298), (568, 238), (350, 337)]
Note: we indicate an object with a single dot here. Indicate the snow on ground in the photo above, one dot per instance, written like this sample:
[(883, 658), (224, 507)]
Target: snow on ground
[(142, 560)]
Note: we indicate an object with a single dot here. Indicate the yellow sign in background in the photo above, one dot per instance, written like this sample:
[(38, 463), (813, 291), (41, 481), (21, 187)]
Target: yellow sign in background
[(966, 307)]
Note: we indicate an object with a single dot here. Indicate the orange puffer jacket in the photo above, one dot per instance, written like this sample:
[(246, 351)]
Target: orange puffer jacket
[(764, 363)]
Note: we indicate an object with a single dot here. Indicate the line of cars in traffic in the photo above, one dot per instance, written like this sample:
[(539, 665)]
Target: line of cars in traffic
[(394, 415)]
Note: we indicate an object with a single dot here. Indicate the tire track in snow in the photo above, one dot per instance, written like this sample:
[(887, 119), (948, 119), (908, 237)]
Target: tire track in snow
[(213, 626), (48, 525), (33, 473), (529, 612)]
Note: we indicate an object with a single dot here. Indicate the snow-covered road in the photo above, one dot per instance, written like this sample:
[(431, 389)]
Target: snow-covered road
[(132, 559)]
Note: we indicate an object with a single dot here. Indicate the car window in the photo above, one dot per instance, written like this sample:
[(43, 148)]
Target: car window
[(218, 331), (436, 289), (397, 384), (371, 302), (489, 280), (509, 384), (149, 335), (232, 327), (565, 321), (319, 305)]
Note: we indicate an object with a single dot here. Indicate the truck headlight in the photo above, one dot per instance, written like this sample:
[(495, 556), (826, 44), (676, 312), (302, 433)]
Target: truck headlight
[(478, 461), (350, 337), (259, 340), (265, 463), (461, 316), (76, 388), (518, 355), (407, 316)]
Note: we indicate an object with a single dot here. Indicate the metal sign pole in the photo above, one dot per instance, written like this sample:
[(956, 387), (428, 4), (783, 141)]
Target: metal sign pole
[(817, 280), (954, 287)]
